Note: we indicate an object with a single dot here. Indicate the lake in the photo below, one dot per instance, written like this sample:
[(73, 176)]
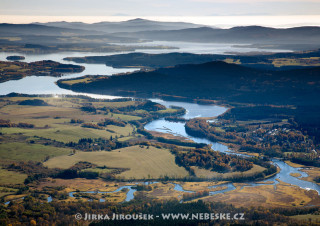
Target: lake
[(46, 85), (200, 48)]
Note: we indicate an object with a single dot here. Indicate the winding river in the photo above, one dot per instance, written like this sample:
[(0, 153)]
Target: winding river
[(195, 110), (46, 85)]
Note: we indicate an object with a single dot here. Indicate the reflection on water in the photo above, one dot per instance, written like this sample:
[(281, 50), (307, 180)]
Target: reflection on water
[(46, 84), (58, 57), (199, 48), (194, 110), (39, 85)]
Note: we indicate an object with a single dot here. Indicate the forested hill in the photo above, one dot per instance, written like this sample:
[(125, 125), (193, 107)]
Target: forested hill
[(214, 80), (276, 61)]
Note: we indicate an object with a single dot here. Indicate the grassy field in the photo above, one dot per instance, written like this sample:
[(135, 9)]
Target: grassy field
[(4, 67), (163, 191), (10, 177), (267, 196), (45, 115), (80, 184), (307, 217), (116, 197), (83, 80), (7, 191), (122, 139), (232, 61), (295, 174), (295, 165), (61, 108), (168, 110), (114, 104), (200, 186), (53, 122), (68, 133), (143, 162), (313, 173), (25, 152), (123, 117), (312, 61), (98, 170), (211, 174)]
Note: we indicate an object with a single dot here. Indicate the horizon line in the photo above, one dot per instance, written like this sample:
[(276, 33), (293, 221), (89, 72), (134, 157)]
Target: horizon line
[(280, 21)]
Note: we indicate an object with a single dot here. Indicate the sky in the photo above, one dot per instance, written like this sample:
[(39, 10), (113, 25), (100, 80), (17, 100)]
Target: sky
[(21, 11)]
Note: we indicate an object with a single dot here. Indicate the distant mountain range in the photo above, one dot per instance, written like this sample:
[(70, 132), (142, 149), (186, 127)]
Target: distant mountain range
[(140, 29), (247, 34), (37, 29), (49, 35), (135, 25)]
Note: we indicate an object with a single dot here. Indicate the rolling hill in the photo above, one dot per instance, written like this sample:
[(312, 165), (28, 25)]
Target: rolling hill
[(124, 26), (213, 80)]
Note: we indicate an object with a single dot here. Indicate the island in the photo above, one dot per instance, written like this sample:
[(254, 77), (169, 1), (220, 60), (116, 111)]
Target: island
[(15, 58), (17, 70)]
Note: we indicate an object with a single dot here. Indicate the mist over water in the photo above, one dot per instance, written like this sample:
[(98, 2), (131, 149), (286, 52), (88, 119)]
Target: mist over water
[(200, 48)]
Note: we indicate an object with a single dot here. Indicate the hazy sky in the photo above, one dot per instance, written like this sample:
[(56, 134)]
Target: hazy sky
[(221, 13), (159, 7)]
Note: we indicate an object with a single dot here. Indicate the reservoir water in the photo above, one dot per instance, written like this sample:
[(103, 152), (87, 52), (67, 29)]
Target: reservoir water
[(46, 84)]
